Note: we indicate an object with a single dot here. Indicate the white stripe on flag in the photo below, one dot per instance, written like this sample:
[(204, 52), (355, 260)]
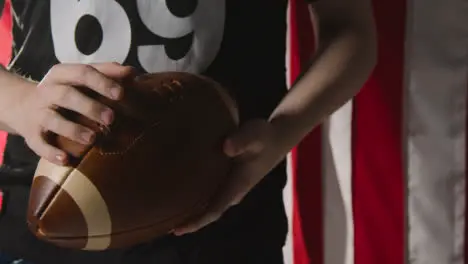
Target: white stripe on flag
[(437, 58), (288, 204), (288, 190), (338, 211)]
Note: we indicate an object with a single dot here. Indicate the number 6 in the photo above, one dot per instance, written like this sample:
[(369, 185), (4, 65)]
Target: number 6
[(116, 40)]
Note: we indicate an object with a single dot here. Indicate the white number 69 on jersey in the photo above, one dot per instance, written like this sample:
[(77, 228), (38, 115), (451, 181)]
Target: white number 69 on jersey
[(206, 24)]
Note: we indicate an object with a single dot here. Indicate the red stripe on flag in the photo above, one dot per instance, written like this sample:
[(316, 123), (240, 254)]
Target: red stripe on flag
[(5, 33), (3, 138), (306, 157), (5, 54), (378, 174)]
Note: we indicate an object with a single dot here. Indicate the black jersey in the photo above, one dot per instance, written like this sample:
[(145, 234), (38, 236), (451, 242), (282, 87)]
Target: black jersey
[(239, 43)]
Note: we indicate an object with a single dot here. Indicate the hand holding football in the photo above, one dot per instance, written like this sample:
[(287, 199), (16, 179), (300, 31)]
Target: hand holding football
[(156, 167)]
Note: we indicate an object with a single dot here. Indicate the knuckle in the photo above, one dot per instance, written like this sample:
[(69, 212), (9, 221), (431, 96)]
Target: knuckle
[(61, 94), (91, 109), (50, 120), (54, 69), (82, 73), (74, 131), (69, 129), (97, 81), (85, 69), (105, 84), (101, 84), (85, 106), (46, 90), (43, 88)]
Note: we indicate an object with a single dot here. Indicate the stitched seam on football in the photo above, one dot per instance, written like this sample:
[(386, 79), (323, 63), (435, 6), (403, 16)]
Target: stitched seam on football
[(189, 211)]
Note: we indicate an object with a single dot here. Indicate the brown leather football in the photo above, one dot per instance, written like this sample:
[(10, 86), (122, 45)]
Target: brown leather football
[(155, 167)]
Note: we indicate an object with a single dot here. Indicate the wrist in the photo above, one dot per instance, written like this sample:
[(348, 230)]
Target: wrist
[(287, 132), (15, 94)]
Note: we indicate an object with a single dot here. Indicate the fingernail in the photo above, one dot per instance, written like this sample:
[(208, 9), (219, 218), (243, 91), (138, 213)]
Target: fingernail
[(107, 116), (87, 137), (115, 92), (60, 158), (104, 129), (231, 149)]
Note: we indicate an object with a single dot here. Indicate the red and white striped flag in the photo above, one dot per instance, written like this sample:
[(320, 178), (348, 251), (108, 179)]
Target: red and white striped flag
[(383, 179)]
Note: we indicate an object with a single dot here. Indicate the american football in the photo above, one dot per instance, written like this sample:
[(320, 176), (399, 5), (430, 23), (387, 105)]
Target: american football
[(154, 168)]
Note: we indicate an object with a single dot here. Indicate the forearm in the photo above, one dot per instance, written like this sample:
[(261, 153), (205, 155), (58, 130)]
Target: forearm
[(338, 70), (12, 89)]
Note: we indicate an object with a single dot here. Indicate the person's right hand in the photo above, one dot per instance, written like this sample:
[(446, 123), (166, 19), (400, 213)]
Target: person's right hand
[(36, 113)]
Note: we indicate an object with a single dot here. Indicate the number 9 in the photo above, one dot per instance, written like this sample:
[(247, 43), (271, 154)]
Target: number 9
[(206, 23)]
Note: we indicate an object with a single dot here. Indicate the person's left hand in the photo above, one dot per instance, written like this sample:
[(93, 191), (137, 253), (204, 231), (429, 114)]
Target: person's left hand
[(255, 151)]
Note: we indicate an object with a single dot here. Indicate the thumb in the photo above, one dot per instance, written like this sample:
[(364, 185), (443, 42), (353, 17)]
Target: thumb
[(248, 139)]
